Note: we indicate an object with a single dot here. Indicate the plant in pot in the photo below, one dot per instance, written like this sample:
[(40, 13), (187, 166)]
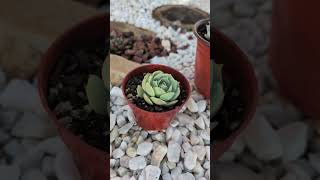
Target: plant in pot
[(202, 64), (155, 94), (68, 77), (234, 93)]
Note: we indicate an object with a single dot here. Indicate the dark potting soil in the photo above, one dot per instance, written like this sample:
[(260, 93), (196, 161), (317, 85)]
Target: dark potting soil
[(67, 97), (229, 117), (139, 49), (131, 93)]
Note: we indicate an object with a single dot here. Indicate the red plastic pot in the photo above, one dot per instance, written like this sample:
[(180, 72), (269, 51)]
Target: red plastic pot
[(240, 71), (202, 64), (92, 163), (155, 120), (295, 53)]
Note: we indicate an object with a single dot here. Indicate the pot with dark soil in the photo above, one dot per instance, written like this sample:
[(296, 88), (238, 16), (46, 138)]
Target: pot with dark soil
[(234, 98), (66, 74), (202, 65), (139, 48), (155, 93)]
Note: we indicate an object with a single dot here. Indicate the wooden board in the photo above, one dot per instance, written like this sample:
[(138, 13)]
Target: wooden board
[(119, 67), (124, 27)]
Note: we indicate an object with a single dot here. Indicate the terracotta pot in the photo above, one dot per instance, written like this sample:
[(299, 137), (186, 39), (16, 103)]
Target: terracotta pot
[(202, 65), (295, 53), (155, 120), (240, 71), (93, 163)]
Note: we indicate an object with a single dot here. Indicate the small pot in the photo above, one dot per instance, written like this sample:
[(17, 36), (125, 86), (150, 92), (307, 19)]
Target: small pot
[(237, 67), (202, 64), (295, 53), (92, 163), (155, 120)]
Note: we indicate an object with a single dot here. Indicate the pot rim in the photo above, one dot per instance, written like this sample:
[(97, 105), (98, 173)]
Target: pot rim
[(126, 78), (195, 31), (41, 77)]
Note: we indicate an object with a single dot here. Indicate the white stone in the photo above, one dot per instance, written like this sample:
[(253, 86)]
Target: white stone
[(262, 139), (18, 91), (200, 151), (190, 160), (231, 171), (294, 139), (47, 167), (116, 92), (152, 172), (136, 163), (112, 121), (117, 153), (186, 176), (10, 172), (200, 123), (173, 153), (158, 154), (33, 174), (33, 126), (131, 152), (121, 121), (124, 129), (192, 105), (202, 105), (144, 148)]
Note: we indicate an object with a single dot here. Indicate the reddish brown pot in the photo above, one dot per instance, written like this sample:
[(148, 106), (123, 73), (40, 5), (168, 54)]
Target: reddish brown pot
[(93, 163), (202, 65), (240, 71), (295, 53), (155, 120)]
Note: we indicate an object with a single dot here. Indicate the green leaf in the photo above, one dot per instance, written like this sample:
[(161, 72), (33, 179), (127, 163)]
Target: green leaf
[(171, 103), (144, 81), (97, 94), (158, 76), (140, 91), (149, 90), (154, 83), (158, 91), (147, 99), (158, 101), (174, 84), (167, 96)]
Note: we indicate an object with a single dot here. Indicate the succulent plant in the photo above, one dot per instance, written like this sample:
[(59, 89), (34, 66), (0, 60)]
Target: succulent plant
[(159, 88), (216, 87), (207, 35), (97, 91)]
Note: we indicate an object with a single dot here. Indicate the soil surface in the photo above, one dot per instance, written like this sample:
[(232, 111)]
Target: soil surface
[(138, 48), (231, 113), (67, 97), (131, 93)]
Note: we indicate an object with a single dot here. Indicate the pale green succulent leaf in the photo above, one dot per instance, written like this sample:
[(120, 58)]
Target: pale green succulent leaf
[(167, 96), (144, 81), (140, 91), (147, 99), (176, 94), (158, 101), (158, 91), (158, 76), (149, 90), (105, 74), (97, 94), (171, 103), (217, 99)]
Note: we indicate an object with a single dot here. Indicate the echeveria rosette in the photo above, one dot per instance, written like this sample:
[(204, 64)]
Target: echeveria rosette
[(159, 88), (216, 87)]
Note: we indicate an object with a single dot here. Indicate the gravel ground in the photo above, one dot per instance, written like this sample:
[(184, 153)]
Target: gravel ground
[(179, 152)]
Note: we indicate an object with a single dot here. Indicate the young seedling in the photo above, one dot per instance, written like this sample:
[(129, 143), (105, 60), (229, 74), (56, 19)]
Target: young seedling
[(207, 35), (159, 88), (97, 91)]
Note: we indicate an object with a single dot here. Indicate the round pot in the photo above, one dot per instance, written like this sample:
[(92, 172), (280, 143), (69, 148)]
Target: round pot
[(91, 162), (202, 64), (155, 120), (240, 71), (295, 53)]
